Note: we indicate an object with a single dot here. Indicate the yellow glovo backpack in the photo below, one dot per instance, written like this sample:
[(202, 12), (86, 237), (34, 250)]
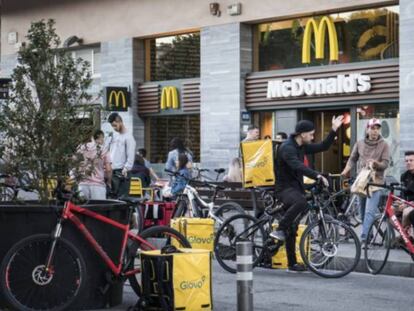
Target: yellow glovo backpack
[(180, 280), (257, 157)]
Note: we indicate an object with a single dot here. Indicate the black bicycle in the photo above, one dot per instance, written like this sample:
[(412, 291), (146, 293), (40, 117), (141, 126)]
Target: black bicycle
[(329, 248)]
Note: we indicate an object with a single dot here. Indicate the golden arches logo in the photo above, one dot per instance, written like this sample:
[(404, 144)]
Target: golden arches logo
[(319, 29), (169, 98), (116, 99)]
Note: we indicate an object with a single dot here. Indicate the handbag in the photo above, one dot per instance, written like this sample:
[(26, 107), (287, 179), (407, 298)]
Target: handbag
[(360, 184)]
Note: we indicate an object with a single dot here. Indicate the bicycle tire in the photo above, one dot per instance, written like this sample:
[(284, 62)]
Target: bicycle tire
[(326, 253), (156, 232), (7, 194), (378, 244), (31, 289), (226, 254), (138, 219), (227, 210)]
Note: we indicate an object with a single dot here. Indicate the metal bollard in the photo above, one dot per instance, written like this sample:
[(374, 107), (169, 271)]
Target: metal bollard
[(244, 276)]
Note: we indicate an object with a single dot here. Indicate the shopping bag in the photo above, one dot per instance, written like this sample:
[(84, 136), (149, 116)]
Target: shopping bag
[(360, 184)]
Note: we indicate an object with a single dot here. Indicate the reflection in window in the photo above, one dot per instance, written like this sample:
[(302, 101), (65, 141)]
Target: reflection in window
[(362, 36), (389, 116), (174, 57)]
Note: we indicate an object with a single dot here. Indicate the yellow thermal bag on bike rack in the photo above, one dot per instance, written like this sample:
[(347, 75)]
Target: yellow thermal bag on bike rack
[(177, 281), (279, 261), (257, 159), (198, 231)]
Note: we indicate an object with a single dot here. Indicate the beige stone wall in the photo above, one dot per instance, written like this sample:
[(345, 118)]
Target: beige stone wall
[(106, 20)]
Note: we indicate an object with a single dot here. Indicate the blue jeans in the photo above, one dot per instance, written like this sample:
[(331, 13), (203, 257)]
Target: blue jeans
[(369, 209)]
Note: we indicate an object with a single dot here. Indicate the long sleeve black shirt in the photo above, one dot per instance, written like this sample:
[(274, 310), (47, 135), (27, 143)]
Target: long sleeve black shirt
[(290, 168), (407, 179)]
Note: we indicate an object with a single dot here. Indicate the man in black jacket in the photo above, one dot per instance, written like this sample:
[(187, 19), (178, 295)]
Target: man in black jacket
[(290, 170), (407, 179)]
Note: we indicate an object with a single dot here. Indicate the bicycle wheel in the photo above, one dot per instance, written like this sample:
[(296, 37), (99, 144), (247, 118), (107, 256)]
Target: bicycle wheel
[(239, 228), (137, 219), (158, 237), (28, 286), (355, 210), (377, 247), (6, 194), (227, 210), (331, 250)]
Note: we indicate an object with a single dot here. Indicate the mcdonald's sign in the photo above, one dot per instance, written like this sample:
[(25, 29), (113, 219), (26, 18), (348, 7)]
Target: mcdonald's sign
[(169, 98), (117, 98), (319, 30)]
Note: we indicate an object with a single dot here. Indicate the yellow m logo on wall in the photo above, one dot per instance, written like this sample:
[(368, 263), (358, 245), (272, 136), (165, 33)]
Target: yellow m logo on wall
[(319, 29), (169, 98), (117, 98)]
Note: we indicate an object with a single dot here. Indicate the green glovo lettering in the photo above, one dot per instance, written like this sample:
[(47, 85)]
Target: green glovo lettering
[(193, 284), (200, 240)]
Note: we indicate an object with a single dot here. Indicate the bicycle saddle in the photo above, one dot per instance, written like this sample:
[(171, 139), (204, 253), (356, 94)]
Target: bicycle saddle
[(220, 170)]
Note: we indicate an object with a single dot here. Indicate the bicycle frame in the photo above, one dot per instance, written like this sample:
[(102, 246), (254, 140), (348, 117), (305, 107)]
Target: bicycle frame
[(192, 194), (389, 212), (68, 214)]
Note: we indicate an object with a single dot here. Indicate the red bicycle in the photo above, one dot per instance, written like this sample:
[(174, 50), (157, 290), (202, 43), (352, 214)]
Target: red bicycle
[(47, 272), (381, 232)]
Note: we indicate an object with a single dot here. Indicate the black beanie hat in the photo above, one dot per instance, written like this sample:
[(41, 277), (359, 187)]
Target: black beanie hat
[(304, 126)]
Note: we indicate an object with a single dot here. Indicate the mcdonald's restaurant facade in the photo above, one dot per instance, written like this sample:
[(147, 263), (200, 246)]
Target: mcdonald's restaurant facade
[(208, 73)]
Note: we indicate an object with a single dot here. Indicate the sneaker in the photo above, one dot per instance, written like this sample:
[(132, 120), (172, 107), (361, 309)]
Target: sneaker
[(297, 268), (278, 235)]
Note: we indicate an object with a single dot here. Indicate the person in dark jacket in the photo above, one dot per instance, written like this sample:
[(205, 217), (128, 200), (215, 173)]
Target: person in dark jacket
[(407, 179), (141, 171), (290, 170)]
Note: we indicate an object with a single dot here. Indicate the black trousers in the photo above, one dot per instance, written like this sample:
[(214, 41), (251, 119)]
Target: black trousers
[(120, 184), (295, 203)]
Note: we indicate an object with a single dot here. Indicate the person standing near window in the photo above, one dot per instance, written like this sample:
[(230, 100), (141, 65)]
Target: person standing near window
[(122, 150)]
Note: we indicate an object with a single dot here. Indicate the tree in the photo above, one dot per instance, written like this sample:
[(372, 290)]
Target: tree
[(47, 115)]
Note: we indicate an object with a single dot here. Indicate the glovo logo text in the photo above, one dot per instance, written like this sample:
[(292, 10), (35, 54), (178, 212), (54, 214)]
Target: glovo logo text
[(117, 99), (193, 284), (319, 30), (260, 163), (169, 98), (201, 240)]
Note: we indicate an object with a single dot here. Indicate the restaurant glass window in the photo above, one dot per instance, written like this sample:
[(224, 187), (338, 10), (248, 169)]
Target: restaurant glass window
[(363, 35), (173, 57), (389, 116), (161, 130)]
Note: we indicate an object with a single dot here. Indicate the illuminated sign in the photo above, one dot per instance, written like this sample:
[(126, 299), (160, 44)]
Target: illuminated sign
[(353, 83), (169, 98), (319, 30), (117, 98)]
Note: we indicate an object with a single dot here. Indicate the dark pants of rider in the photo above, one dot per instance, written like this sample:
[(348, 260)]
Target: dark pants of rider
[(120, 186), (295, 203), (411, 217)]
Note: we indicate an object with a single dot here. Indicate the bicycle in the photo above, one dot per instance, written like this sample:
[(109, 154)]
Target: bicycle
[(10, 187), (200, 177), (322, 246), (380, 233), (48, 272), (189, 203)]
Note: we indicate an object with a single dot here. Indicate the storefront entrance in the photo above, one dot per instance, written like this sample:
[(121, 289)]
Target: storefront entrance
[(333, 160)]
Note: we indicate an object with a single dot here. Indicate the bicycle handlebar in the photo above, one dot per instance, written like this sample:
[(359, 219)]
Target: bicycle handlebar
[(192, 181), (391, 186)]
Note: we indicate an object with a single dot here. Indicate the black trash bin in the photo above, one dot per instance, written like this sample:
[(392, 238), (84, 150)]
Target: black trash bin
[(18, 221)]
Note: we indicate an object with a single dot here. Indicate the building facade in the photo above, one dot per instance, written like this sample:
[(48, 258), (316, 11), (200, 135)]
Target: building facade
[(204, 71)]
